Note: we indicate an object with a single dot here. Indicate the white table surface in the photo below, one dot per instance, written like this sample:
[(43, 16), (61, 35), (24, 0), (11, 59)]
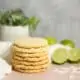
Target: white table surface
[(65, 72)]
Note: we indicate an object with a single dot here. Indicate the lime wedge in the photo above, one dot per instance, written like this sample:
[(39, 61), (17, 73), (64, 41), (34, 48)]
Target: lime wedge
[(59, 56), (51, 40), (74, 55), (67, 42)]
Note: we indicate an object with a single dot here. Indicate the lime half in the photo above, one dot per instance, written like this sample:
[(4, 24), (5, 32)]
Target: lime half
[(60, 56), (51, 40), (67, 42), (74, 55)]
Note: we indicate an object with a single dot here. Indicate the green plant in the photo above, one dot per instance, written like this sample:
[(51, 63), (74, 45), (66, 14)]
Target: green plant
[(17, 18)]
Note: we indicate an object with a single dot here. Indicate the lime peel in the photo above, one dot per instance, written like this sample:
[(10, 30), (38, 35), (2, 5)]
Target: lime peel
[(51, 40), (68, 42)]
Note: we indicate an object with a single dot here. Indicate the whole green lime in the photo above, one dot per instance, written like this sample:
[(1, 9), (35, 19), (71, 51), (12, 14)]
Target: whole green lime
[(68, 42), (51, 40)]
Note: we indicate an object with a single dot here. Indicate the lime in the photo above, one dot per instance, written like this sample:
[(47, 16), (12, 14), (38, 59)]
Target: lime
[(59, 56), (74, 55), (51, 40), (68, 43)]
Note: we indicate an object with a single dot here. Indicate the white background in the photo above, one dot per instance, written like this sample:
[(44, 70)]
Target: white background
[(59, 18)]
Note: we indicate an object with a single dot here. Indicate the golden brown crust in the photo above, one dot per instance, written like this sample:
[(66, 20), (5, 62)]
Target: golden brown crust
[(29, 55), (17, 62), (30, 59), (29, 50), (31, 42), (29, 71), (30, 67)]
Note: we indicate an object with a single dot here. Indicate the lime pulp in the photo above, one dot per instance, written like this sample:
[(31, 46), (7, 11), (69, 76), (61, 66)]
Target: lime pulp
[(60, 56)]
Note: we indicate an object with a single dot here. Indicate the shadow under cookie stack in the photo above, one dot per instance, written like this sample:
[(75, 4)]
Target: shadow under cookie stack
[(30, 55)]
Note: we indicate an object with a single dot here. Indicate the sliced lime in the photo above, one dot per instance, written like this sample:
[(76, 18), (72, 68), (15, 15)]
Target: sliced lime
[(51, 40), (74, 55), (68, 43), (60, 56)]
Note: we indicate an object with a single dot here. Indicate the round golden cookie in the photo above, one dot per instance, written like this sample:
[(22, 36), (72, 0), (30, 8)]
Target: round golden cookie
[(29, 55), (29, 71), (36, 59), (29, 50), (31, 67), (17, 62), (31, 42)]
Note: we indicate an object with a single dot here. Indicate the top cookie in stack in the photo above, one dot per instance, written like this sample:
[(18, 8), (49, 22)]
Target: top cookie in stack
[(30, 55)]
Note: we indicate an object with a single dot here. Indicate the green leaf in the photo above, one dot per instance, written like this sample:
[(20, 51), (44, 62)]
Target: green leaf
[(33, 22), (16, 18)]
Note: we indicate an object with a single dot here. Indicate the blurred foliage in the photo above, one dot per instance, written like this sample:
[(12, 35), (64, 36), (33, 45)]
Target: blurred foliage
[(17, 18)]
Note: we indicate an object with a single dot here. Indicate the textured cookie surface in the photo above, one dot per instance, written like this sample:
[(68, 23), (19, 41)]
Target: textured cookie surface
[(30, 59), (30, 42), (29, 71), (29, 50), (29, 55), (31, 67), (26, 63)]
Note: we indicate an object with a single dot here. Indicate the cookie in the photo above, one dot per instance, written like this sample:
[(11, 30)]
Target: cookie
[(29, 50), (29, 55), (31, 42), (31, 67), (17, 62), (30, 59), (29, 71)]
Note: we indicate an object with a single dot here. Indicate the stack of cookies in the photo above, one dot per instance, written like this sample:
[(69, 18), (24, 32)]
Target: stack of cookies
[(30, 55)]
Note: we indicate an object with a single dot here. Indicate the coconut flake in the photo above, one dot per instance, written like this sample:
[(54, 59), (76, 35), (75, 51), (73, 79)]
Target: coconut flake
[(5, 68)]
